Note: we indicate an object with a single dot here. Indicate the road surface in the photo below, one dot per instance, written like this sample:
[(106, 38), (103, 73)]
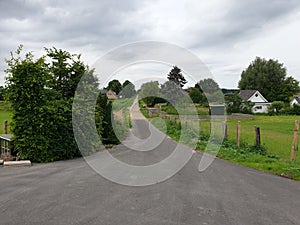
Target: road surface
[(70, 192)]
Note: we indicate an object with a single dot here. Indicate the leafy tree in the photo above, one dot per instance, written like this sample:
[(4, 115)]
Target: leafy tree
[(2, 93), (41, 95), (277, 107), (66, 70), (176, 76), (171, 92), (269, 78), (149, 92), (211, 91), (235, 104), (115, 86), (209, 86), (294, 110), (196, 95), (128, 89)]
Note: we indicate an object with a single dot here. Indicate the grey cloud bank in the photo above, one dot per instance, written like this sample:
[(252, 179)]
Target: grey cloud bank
[(225, 35)]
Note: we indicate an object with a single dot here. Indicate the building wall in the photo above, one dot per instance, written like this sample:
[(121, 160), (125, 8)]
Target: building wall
[(260, 108)]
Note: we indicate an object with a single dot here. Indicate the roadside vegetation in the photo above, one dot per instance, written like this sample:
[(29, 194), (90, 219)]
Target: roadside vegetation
[(41, 94), (272, 156), (269, 77)]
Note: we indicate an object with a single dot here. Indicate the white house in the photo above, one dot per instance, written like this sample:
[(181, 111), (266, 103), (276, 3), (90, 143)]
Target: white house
[(260, 103), (295, 101)]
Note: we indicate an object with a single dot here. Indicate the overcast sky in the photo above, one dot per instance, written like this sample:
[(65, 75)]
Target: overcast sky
[(225, 34)]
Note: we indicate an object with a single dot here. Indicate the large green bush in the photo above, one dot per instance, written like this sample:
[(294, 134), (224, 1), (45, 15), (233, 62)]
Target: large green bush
[(41, 94)]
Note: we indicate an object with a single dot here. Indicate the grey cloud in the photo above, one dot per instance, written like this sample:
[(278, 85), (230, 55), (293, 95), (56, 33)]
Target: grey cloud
[(19, 9), (243, 20)]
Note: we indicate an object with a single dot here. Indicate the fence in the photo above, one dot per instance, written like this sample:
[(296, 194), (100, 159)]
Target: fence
[(277, 141)]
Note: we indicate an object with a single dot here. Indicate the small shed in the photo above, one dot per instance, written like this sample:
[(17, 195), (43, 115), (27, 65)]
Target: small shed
[(7, 145)]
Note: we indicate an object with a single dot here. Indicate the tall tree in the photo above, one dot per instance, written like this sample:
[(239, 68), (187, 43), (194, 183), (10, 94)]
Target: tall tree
[(269, 78), (128, 89), (208, 85), (176, 76), (171, 92), (149, 92), (115, 86)]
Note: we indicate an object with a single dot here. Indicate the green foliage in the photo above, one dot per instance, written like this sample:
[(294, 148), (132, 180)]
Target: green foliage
[(128, 89), (211, 92), (277, 107), (196, 95), (294, 110), (235, 104), (115, 86), (5, 106), (41, 96), (108, 135), (176, 76), (209, 86), (172, 92), (149, 92), (269, 78), (2, 93)]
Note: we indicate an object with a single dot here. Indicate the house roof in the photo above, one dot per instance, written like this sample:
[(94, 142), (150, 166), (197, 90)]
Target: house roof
[(297, 99), (246, 94)]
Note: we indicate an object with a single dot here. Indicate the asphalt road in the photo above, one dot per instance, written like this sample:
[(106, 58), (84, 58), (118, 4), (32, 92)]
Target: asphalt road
[(70, 192)]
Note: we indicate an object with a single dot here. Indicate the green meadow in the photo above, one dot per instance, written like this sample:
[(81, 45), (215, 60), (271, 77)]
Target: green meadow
[(276, 133), (5, 114)]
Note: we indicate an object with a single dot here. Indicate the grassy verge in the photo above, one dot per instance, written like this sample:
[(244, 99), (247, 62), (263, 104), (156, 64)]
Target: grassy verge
[(261, 158), (122, 120)]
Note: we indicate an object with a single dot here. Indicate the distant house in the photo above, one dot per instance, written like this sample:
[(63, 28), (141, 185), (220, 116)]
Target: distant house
[(111, 95), (254, 96), (295, 101)]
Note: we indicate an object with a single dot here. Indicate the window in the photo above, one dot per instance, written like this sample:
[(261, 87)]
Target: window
[(258, 107)]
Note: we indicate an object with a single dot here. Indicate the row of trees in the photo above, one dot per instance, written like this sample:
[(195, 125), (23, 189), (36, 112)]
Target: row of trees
[(41, 93), (170, 92), (269, 77), (125, 90)]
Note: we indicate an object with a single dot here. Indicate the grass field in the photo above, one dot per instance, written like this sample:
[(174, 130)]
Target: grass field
[(5, 114), (276, 133), (276, 139)]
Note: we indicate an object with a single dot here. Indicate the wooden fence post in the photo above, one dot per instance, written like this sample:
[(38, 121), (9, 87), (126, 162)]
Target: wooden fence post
[(257, 136), (199, 126), (224, 130), (295, 139), (238, 134), (5, 126)]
